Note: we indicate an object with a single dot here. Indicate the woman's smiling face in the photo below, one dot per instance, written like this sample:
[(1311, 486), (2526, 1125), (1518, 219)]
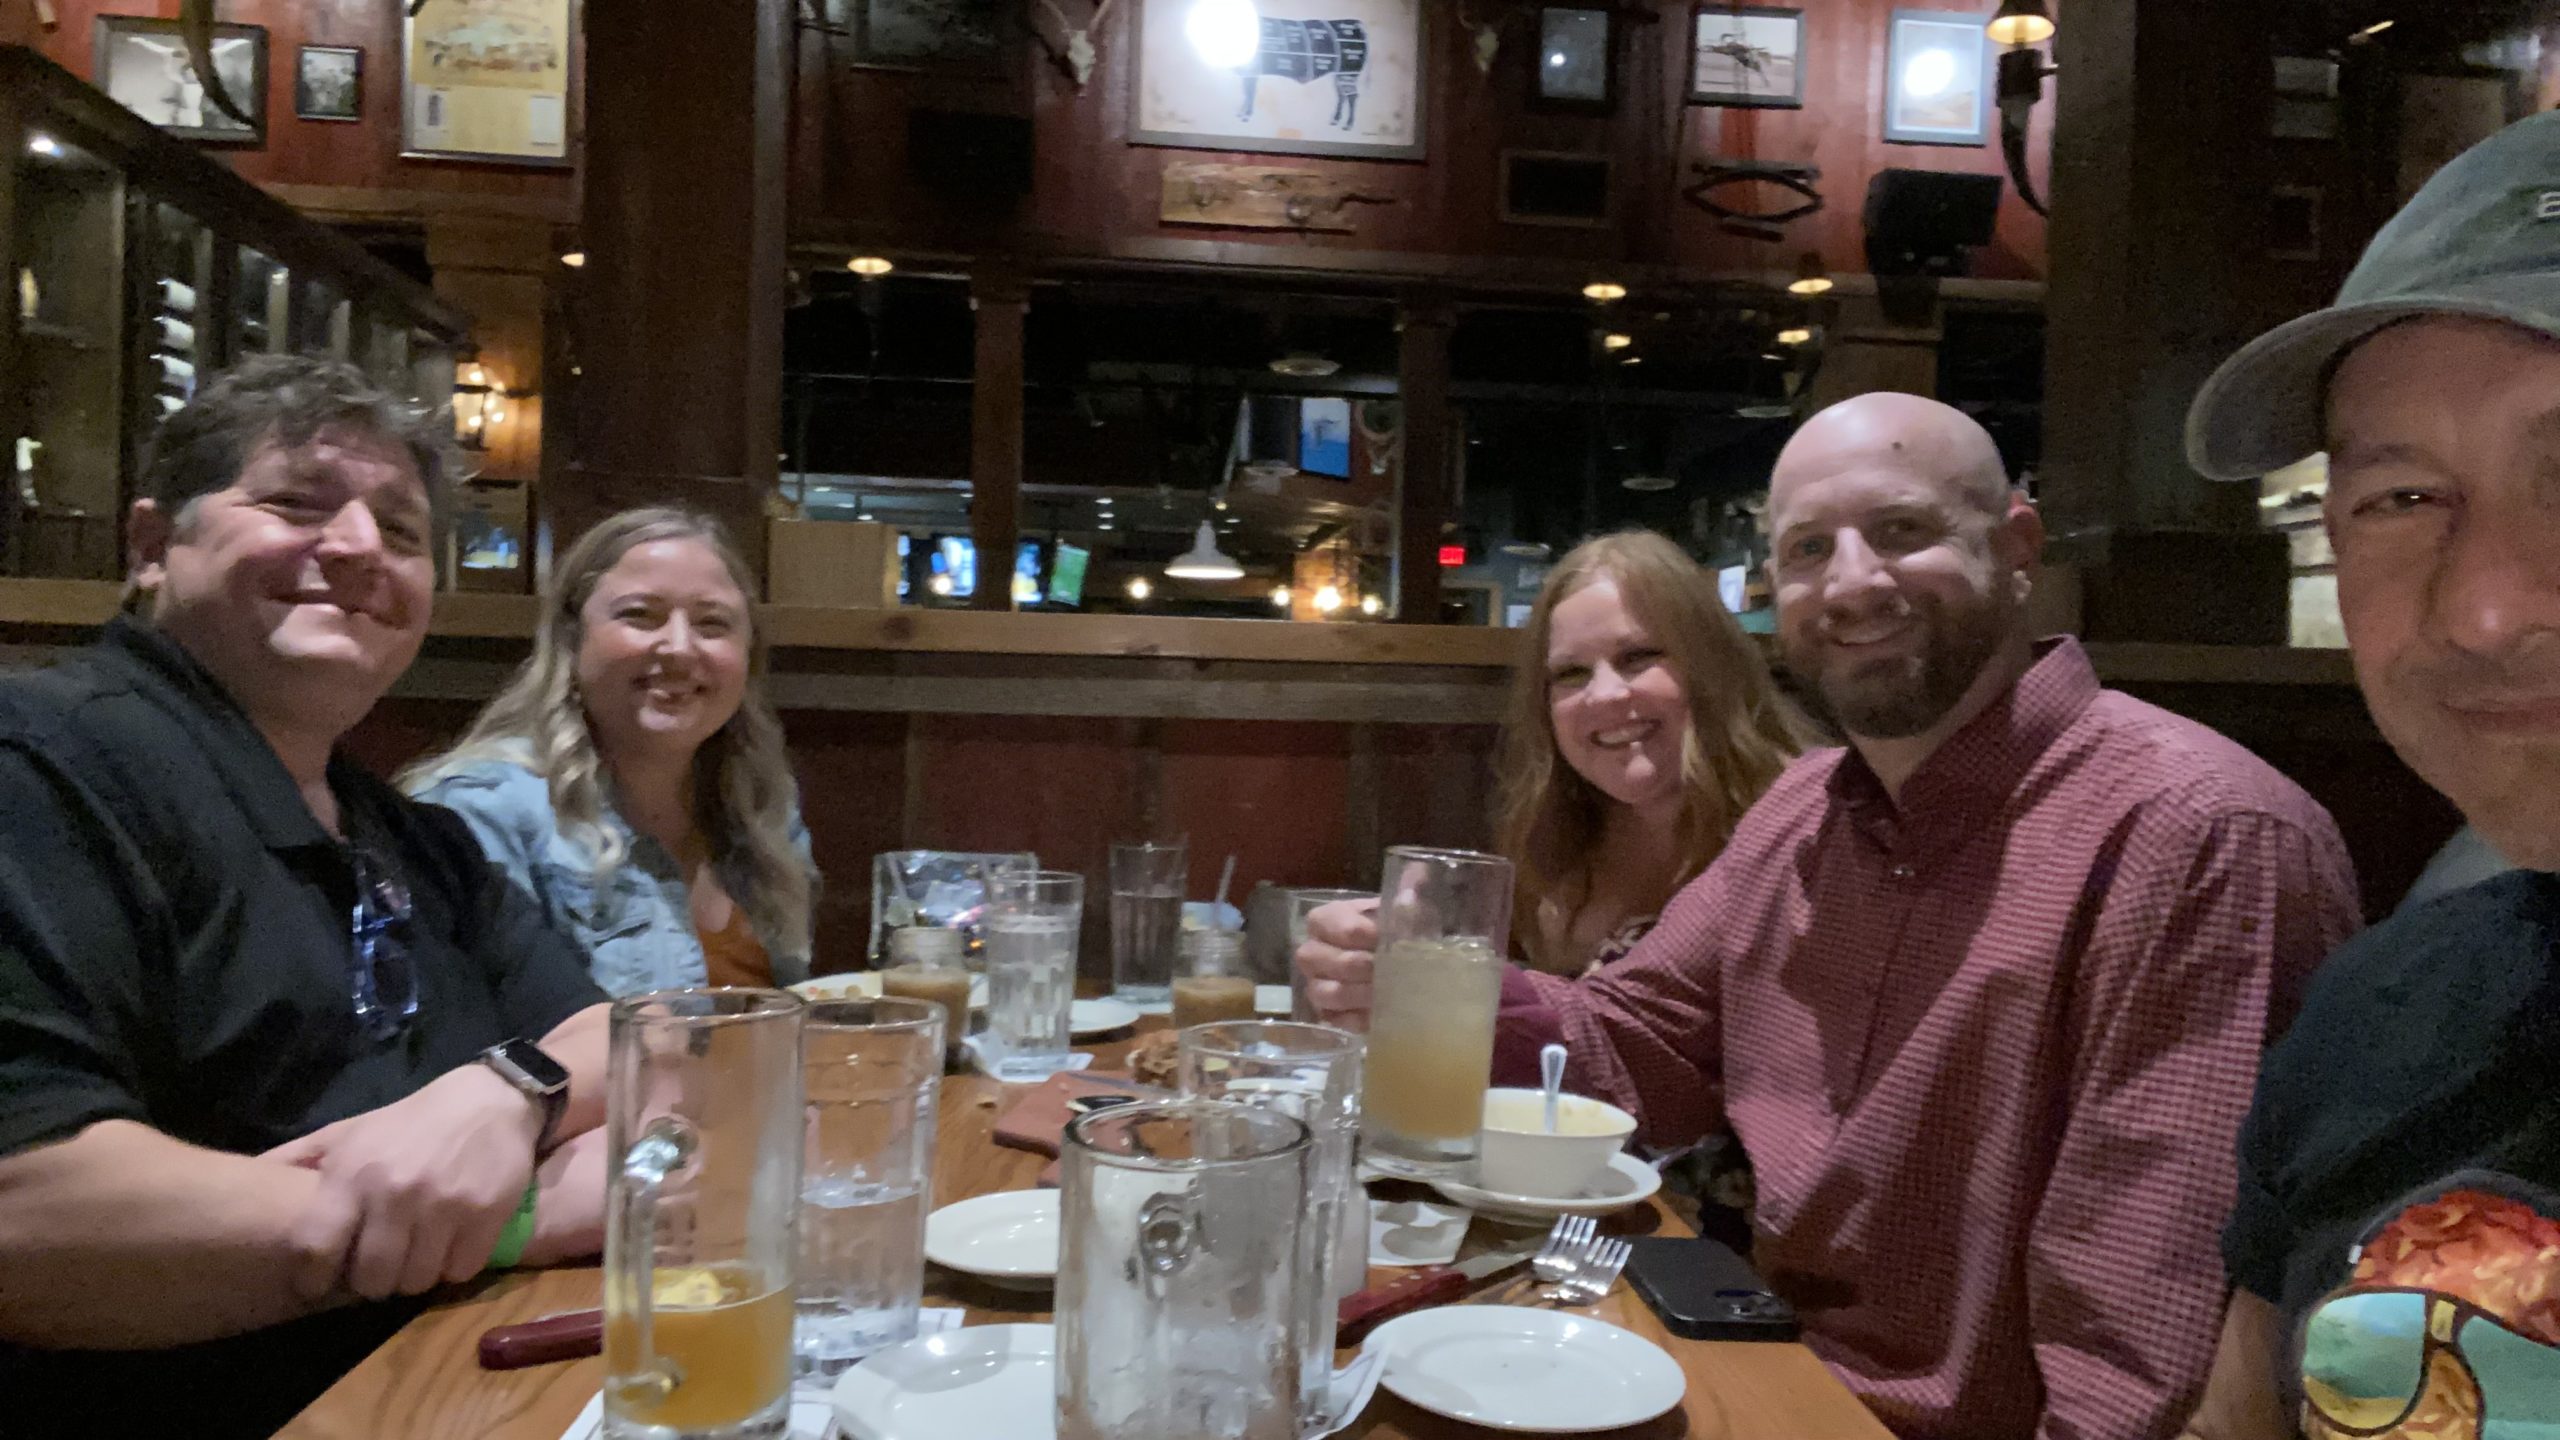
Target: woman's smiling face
[(1619, 713)]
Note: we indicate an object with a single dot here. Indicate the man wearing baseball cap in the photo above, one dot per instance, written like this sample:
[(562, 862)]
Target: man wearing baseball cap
[(2395, 1246)]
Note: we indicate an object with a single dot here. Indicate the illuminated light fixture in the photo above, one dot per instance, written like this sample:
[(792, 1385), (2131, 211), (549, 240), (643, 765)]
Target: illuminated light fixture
[(939, 584), (1104, 502), (1604, 291), (1105, 525), (1927, 75), (2370, 31), (1647, 484), (869, 266), (1371, 605), (1328, 599), (1305, 365), (1630, 359), (1799, 335), (1204, 560), (1811, 277), (1138, 587), (1222, 504), (574, 259), (1280, 596), (43, 145), (1616, 341), (1525, 549), (1225, 34), (2020, 22), (864, 516)]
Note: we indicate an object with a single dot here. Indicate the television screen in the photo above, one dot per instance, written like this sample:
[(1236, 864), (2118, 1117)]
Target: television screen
[(1066, 575), (956, 556), (1026, 573)]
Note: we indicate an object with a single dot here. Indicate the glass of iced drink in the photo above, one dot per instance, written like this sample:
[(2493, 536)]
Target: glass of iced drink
[(1146, 919), (1304, 902), (1033, 917), (872, 1070), (1444, 928)]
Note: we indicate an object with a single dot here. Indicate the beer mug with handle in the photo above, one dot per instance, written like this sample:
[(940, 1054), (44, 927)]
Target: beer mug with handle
[(703, 1127)]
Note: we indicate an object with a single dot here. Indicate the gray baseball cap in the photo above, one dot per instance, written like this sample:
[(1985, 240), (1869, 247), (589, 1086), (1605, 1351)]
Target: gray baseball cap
[(2482, 238)]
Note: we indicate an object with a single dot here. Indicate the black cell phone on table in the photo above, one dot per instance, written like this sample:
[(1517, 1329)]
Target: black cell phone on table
[(1704, 1291)]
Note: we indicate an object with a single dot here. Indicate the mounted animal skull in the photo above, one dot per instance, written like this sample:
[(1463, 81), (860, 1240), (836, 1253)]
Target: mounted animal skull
[(1079, 55)]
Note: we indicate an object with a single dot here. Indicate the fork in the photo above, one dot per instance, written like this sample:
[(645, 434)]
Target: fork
[(1599, 1270), (1557, 1261)]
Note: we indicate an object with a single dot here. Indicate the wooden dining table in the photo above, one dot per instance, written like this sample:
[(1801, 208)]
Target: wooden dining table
[(426, 1383)]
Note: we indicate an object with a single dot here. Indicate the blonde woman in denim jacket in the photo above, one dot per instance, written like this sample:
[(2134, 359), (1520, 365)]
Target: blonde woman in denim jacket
[(632, 777)]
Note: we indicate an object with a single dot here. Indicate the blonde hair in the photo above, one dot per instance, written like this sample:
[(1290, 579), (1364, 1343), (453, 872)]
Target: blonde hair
[(1741, 730), (743, 791)]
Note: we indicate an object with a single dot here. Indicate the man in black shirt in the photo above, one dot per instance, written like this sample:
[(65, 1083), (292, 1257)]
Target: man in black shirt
[(277, 1045), (2396, 1238)]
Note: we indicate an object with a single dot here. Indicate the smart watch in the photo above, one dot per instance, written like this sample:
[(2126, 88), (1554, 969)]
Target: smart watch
[(537, 1077)]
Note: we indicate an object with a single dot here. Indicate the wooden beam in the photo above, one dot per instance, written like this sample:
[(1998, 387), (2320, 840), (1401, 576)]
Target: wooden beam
[(1423, 324), (997, 299)]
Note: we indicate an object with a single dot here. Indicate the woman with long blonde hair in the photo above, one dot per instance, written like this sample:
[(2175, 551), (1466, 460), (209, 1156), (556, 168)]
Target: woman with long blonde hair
[(632, 777), (1643, 722)]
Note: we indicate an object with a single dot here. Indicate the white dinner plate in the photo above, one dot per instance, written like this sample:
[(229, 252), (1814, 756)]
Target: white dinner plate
[(865, 985), (1009, 1238), (1272, 1000), (1627, 1181), (1100, 1017), (1513, 1368), (986, 1380)]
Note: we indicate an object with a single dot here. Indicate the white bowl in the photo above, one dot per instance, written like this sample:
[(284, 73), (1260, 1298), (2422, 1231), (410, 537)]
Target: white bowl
[(1516, 1156)]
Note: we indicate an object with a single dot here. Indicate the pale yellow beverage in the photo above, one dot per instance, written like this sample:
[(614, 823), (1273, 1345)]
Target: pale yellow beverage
[(725, 1331), (1430, 1051), (1208, 999)]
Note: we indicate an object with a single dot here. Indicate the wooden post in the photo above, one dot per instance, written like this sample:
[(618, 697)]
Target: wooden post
[(1423, 324), (998, 299), (678, 330)]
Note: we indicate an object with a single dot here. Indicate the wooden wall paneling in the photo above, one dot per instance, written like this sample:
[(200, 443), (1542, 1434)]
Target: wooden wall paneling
[(1423, 324), (1273, 794), (997, 302), (853, 795)]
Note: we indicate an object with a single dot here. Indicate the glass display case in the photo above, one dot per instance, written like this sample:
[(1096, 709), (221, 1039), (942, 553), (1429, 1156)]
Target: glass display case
[(136, 269)]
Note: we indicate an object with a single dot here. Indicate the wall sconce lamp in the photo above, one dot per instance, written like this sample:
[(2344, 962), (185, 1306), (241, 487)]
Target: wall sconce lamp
[(479, 405), (2021, 25)]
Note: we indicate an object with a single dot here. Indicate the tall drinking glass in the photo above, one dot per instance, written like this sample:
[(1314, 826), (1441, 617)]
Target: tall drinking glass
[(702, 1121), (1303, 903), (1146, 919), (1444, 926), (873, 1070), (1033, 918), (1179, 1274), (1311, 1073)]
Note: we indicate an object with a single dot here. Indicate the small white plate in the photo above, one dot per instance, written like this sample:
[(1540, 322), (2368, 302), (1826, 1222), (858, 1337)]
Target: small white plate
[(1627, 1181), (1508, 1367), (1100, 1017), (1009, 1238), (865, 985), (984, 1380), (1272, 1000)]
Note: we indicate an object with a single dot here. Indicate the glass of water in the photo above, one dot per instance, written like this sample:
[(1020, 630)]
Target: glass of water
[(1303, 903), (1146, 919), (1033, 917), (873, 1069)]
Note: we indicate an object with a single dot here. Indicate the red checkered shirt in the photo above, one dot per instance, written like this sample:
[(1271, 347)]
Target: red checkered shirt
[(1987, 1049)]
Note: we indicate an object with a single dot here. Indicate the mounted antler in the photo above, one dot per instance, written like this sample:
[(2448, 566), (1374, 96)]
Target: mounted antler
[(195, 27), (1078, 58)]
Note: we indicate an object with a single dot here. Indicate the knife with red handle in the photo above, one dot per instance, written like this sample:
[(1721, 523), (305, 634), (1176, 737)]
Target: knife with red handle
[(568, 1336), (1358, 1314)]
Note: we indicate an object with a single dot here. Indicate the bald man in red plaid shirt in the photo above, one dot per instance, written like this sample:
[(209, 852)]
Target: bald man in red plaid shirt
[(1981, 994)]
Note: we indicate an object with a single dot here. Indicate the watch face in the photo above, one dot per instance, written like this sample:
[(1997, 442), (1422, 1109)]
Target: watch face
[(537, 1066)]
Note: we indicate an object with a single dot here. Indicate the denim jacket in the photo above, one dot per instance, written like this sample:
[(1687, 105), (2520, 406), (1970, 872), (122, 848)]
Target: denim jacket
[(639, 933)]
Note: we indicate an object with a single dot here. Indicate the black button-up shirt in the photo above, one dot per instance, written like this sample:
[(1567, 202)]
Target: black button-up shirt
[(175, 949)]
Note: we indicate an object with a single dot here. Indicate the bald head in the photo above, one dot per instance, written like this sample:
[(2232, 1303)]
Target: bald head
[(1905, 435)]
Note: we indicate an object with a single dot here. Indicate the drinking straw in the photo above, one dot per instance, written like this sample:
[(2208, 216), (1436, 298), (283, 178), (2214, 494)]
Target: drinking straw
[(1218, 907)]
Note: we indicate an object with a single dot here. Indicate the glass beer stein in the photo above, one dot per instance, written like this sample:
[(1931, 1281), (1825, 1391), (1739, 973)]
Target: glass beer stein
[(703, 1124)]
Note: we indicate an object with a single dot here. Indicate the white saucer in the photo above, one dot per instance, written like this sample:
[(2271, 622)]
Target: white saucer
[(993, 1380), (1508, 1367), (865, 985), (1100, 1017), (1627, 1181), (1272, 1000), (1009, 1238)]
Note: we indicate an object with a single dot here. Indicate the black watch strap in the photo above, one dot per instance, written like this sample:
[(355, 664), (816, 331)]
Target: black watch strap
[(538, 1077)]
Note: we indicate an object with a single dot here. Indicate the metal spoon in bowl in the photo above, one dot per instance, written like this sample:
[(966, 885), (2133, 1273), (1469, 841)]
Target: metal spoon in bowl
[(1551, 1078)]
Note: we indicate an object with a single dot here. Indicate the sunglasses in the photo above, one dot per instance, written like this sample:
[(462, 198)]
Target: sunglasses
[(380, 972)]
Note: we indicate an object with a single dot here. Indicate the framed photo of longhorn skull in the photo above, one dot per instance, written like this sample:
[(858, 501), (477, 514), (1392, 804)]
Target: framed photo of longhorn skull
[(1282, 77)]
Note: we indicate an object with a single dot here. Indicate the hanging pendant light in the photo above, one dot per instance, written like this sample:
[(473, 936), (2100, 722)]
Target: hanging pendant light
[(1204, 561), (2020, 22)]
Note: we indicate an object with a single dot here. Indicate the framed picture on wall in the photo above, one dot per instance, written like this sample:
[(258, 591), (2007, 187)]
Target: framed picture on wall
[(144, 64), (1935, 90), (328, 82), (1750, 55), (964, 37), (1286, 77), (1576, 61), (486, 80)]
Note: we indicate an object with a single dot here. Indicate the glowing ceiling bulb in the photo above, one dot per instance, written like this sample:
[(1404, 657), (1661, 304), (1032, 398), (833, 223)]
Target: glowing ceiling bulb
[(939, 584), (479, 376), (1604, 291), (1371, 604), (1139, 589), (1929, 73), (1797, 336), (1616, 342), (869, 265), (1280, 596), (1328, 599), (1225, 34), (574, 259)]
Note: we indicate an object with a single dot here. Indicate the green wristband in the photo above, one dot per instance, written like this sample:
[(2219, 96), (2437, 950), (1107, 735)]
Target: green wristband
[(519, 1232)]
